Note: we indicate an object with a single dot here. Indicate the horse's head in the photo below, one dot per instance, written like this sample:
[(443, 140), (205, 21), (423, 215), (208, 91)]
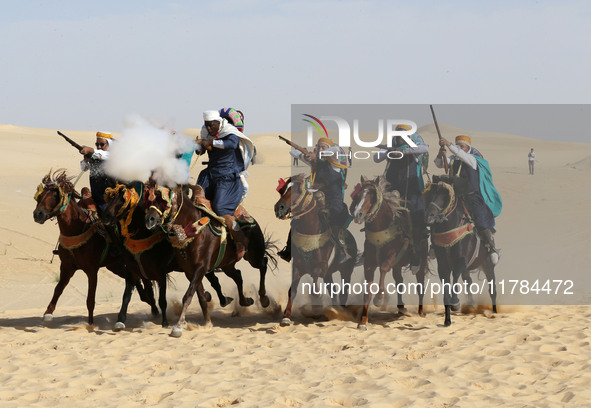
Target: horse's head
[(365, 199), (158, 204), (53, 196), (439, 196), (283, 205), (121, 201)]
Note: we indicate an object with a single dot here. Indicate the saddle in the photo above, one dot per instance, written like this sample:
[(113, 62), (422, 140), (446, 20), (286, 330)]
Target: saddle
[(198, 199)]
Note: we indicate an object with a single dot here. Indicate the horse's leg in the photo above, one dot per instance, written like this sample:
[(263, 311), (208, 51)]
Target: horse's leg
[(90, 297), (379, 298), (291, 294), (346, 271), (146, 292), (421, 285), (122, 316), (215, 284), (369, 272), (262, 288), (236, 276), (66, 273), (257, 257), (444, 273), (196, 281), (397, 275), (459, 269), (203, 304), (162, 299), (489, 272)]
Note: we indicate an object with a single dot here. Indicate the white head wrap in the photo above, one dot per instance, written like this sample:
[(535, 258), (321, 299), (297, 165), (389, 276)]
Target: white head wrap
[(210, 115)]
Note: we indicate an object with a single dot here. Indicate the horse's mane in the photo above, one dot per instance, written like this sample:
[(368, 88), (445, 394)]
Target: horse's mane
[(391, 197), (59, 178)]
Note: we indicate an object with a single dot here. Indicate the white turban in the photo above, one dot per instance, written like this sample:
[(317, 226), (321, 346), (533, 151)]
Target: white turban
[(210, 115)]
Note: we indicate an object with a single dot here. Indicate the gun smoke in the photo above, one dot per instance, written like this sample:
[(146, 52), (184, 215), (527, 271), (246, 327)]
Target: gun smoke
[(145, 150)]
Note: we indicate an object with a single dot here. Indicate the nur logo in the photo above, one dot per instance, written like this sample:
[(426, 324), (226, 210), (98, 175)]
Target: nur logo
[(386, 128)]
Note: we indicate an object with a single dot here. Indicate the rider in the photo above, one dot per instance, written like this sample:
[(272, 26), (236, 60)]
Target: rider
[(405, 175), (482, 200), (221, 179), (93, 161), (328, 174)]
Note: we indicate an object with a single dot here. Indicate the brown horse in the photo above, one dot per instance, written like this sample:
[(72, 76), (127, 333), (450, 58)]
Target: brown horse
[(149, 254), (82, 242), (387, 243), (311, 240), (201, 243), (458, 248)]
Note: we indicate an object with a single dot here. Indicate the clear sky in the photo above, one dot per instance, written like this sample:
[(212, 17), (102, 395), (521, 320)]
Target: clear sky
[(72, 64)]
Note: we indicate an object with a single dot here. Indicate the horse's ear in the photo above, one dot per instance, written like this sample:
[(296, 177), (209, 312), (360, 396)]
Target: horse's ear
[(377, 181), (363, 179)]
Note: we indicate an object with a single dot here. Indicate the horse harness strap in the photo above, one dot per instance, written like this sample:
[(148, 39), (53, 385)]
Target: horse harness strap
[(137, 246), (450, 238), (380, 238), (71, 243), (308, 243), (76, 241)]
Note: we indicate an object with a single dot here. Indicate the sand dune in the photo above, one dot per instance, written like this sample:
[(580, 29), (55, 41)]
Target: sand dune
[(522, 356)]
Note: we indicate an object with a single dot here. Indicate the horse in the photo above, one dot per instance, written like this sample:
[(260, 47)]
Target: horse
[(458, 248), (150, 255), (386, 239), (83, 243), (201, 243), (311, 239)]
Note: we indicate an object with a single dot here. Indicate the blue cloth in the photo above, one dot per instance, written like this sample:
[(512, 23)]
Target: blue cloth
[(187, 156), (221, 178), (491, 196)]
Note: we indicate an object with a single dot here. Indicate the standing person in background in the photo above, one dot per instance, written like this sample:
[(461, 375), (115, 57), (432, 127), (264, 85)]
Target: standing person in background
[(531, 156)]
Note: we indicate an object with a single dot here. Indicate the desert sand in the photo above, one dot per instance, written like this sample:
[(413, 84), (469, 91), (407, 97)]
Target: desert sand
[(524, 356)]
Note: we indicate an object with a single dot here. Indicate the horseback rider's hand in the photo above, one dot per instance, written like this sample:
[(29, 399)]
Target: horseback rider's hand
[(310, 157), (206, 143), (87, 152), (443, 142)]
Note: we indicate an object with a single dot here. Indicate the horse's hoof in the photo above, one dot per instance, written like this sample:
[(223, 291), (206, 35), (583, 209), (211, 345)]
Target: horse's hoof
[(456, 307), (119, 326), (247, 302), (265, 302), (285, 322), (207, 296), (226, 301), (155, 312), (176, 332), (378, 300), (402, 310), (447, 323), (47, 317), (362, 327), (208, 324), (494, 258)]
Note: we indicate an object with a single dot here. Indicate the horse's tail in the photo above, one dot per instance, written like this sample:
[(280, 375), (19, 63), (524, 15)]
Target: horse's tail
[(270, 250)]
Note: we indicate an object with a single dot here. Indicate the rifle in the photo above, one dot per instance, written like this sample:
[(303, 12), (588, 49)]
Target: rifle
[(73, 143), (295, 146), (442, 148)]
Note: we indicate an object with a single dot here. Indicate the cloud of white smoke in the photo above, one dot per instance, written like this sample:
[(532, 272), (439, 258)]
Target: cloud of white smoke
[(145, 150)]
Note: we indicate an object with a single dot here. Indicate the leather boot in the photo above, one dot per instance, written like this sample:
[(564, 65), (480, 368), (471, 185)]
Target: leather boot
[(285, 253), (489, 241), (341, 254), (238, 236)]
